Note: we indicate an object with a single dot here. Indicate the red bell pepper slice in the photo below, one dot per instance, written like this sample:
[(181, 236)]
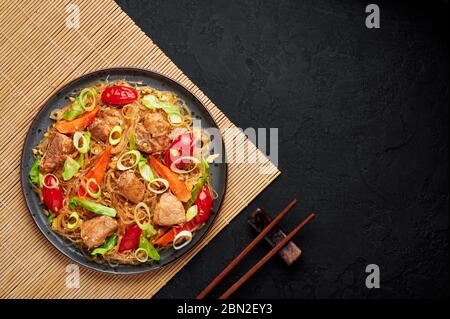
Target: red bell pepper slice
[(204, 205), (52, 196), (131, 238), (182, 146)]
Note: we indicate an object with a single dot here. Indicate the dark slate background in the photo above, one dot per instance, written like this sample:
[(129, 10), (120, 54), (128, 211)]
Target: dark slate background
[(363, 137)]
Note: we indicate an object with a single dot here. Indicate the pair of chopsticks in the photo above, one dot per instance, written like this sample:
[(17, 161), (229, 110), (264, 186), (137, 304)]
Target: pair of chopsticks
[(247, 249)]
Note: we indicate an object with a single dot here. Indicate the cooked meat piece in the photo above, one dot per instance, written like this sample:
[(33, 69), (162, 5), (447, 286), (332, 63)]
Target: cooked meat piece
[(153, 133), (57, 150), (169, 211), (95, 231), (104, 122), (131, 187)]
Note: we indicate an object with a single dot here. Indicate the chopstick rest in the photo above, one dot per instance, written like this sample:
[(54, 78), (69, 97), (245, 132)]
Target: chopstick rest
[(258, 220)]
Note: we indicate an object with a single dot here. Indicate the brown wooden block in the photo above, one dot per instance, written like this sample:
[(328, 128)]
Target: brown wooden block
[(259, 219)]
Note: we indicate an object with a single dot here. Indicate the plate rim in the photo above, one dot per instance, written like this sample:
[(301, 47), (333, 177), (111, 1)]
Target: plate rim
[(24, 181)]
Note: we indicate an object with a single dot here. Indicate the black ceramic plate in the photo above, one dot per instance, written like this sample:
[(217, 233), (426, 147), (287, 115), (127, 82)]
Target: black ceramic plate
[(42, 122)]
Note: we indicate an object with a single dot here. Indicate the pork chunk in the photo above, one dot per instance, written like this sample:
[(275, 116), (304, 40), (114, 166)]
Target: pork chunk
[(153, 133), (169, 211), (104, 122), (57, 150), (95, 231), (131, 187)]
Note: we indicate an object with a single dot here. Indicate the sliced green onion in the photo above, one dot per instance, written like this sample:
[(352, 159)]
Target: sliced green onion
[(149, 248), (147, 228), (85, 102), (149, 101), (71, 167), (92, 206), (50, 218), (138, 251), (50, 186), (84, 99), (145, 170), (116, 129), (191, 212), (109, 244), (97, 194), (133, 142), (75, 110), (183, 159), (73, 215), (35, 176), (176, 119), (80, 160), (185, 234), (155, 182), (84, 138), (137, 157), (201, 182)]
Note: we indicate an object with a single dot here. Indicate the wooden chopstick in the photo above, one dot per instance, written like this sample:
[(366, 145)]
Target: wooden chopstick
[(263, 260), (246, 250)]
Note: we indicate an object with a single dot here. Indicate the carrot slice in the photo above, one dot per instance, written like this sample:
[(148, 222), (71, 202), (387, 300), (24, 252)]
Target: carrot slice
[(78, 124), (176, 185), (97, 171)]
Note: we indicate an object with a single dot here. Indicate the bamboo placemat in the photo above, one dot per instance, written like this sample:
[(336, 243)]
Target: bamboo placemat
[(38, 54)]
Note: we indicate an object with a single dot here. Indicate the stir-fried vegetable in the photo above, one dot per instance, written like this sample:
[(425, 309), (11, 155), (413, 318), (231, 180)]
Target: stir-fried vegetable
[(149, 248), (133, 141), (92, 206), (191, 212), (115, 136), (94, 194), (173, 112), (71, 167), (125, 156), (85, 139), (52, 194), (182, 239), (204, 204), (182, 146), (119, 95), (75, 224), (131, 238), (86, 101), (78, 124), (35, 176), (176, 185), (97, 171), (145, 170), (197, 187), (109, 244)]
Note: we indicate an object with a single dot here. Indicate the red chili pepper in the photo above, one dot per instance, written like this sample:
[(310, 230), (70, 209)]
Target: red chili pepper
[(131, 238), (204, 205), (182, 146), (53, 197), (119, 95)]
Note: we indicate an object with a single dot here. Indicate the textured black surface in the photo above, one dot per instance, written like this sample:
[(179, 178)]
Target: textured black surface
[(363, 119)]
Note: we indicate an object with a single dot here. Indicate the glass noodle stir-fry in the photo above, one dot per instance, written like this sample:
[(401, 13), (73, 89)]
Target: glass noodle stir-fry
[(123, 174)]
